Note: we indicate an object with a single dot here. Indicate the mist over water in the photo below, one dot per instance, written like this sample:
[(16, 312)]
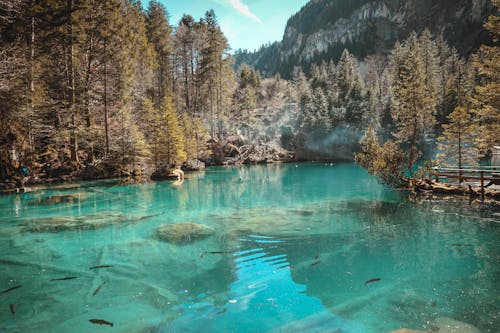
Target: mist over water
[(292, 250)]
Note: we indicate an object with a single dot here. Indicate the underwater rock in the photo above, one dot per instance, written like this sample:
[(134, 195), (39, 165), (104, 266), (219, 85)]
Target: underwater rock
[(183, 232), (54, 224), (64, 198), (449, 325)]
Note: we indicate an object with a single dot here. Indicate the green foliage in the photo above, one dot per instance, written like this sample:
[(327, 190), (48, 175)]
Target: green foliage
[(485, 99), (172, 148), (388, 161), (196, 138), (159, 33), (413, 107)]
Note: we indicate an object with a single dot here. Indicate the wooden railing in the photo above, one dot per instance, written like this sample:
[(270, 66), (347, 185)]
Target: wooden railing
[(490, 174)]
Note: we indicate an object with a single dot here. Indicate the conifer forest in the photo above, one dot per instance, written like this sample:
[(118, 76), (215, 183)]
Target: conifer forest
[(92, 89)]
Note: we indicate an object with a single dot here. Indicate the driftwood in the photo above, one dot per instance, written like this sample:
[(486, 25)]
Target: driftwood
[(420, 185)]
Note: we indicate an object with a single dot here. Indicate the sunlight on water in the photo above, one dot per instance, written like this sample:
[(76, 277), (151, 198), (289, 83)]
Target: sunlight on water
[(285, 248)]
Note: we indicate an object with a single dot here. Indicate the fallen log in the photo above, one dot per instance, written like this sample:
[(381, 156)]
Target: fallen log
[(426, 185)]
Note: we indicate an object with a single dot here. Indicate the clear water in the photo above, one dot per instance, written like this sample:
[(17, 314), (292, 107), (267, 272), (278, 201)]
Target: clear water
[(298, 244)]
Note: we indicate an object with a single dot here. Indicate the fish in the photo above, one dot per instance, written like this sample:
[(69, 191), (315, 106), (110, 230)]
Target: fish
[(202, 255), (433, 304), (9, 289), (100, 266), (65, 278), (219, 252), (11, 306), (98, 288), (100, 322), (372, 280), (315, 262), (222, 311)]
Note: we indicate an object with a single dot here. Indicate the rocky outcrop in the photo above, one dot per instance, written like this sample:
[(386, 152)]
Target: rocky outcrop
[(322, 29)]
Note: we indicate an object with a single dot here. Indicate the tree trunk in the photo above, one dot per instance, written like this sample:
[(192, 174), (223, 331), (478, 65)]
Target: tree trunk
[(106, 130), (72, 95)]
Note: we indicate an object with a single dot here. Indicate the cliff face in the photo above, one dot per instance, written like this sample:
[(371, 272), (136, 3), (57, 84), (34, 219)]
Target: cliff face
[(323, 28)]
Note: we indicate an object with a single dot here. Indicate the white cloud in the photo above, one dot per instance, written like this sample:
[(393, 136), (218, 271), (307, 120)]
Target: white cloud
[(243, 9)]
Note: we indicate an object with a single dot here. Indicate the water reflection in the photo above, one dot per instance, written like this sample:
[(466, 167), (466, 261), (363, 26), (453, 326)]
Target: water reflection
[(263, 297)]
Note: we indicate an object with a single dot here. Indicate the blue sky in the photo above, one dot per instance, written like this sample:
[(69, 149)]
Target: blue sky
[(247, 24)]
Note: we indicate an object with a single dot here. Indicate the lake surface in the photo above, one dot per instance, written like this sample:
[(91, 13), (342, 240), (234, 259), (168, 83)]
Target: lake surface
[(293, 249)]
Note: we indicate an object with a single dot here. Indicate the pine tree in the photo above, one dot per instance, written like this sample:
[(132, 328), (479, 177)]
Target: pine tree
[(457, 144), (133, 149), (351, 92), (413, 109), (151, 126), (485, 100), (196, 138), (159, 34), (173, 147)]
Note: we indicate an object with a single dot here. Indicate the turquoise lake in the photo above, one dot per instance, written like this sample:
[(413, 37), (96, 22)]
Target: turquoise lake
[(293, 249)]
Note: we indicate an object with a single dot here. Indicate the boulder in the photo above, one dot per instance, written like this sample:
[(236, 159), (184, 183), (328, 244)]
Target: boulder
[(194, 165), (449, 325), (183, 232)]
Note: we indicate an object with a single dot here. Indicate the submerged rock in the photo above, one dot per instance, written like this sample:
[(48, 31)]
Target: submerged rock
[(53, 224), (183, 232), (64, 198), (449, 325)]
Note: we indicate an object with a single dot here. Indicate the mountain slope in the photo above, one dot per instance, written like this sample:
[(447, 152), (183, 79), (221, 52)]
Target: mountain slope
[(323, 28)]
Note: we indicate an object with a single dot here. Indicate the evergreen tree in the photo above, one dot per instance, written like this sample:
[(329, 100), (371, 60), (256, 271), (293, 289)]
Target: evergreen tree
[(133, 151), (351, 94), (485, 100), (173, 146), (413, 109), (159, 34), (196, 138), (152, 128), (457, 144)]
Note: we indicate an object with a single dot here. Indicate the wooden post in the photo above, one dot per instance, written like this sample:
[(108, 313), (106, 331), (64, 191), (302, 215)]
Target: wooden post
[(482, 185)]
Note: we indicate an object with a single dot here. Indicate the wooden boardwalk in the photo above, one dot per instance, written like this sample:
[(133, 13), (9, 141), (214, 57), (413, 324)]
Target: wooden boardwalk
[(487, 177)]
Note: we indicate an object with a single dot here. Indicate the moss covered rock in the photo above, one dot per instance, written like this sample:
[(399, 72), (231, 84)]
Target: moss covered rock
[(183, 232), (61, 223)]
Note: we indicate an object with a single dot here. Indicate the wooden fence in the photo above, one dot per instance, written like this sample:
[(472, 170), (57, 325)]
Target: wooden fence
[(479, 176)]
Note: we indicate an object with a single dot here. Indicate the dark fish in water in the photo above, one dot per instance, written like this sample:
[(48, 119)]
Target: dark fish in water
[(100, 322), (202, 255), (316, 257), (372, 280), (65, 278), (433, 304), (315, 262), (222, 311), (100, 266), (11, 306), (10, 289), (98, 288), (219, 252)]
